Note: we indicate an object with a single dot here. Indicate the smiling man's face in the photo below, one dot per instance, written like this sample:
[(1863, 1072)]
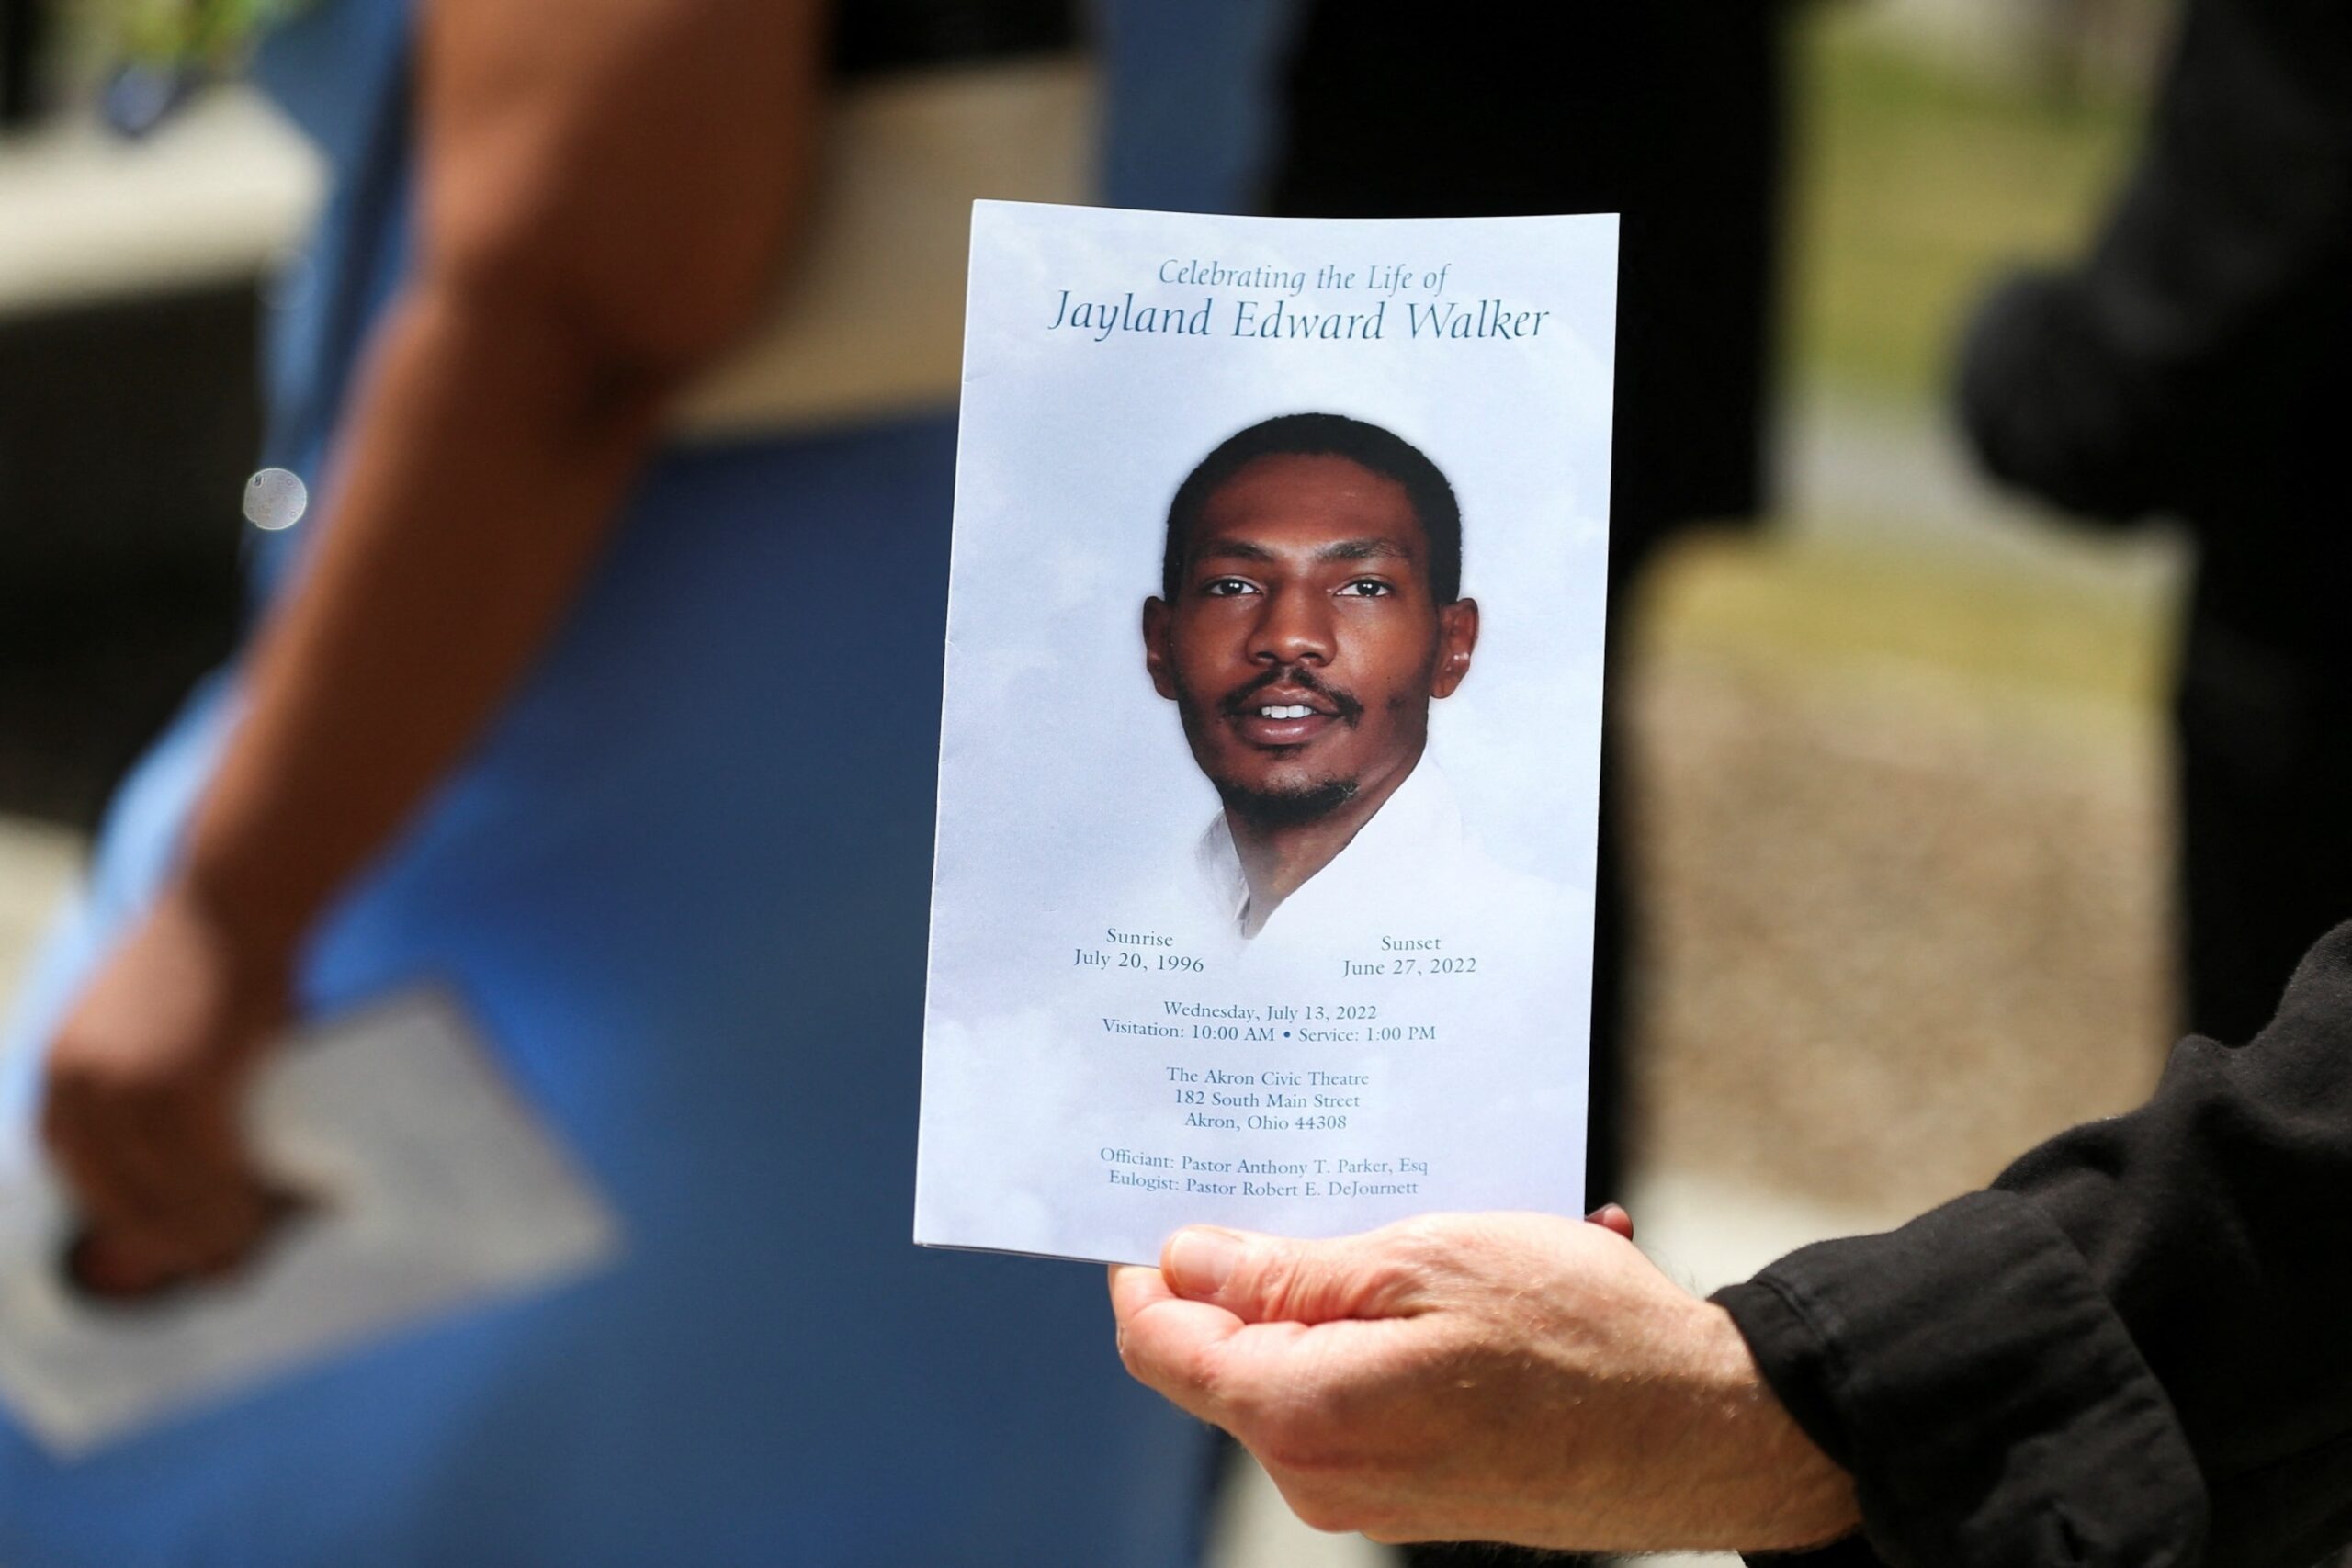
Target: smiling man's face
[(1304, 643)]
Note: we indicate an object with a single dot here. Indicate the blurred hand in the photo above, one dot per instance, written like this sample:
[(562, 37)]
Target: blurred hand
[(144, 1098), (2052, 407), (1481, 1377)]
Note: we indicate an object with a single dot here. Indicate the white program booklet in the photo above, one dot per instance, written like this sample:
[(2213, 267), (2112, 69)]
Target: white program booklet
[(429, 1186), (1269, 759)]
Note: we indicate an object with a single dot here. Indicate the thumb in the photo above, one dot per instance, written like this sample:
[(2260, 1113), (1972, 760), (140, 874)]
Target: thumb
[(1268, 1279)]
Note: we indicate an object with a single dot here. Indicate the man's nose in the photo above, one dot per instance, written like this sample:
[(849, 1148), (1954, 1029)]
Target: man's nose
[(1296, 627)]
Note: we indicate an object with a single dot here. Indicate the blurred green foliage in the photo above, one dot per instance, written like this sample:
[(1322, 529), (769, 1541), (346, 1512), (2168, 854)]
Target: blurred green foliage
[(1917, 180), (211, 33)]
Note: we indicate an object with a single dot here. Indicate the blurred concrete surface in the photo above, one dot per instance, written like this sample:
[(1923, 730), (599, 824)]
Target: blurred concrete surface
[(1905, 829)]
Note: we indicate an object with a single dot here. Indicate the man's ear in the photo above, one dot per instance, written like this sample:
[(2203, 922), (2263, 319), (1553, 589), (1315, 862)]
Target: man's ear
[(1457, 638), (1155, 648)]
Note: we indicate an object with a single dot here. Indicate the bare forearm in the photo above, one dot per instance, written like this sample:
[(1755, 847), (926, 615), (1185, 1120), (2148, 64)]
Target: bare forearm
[(603, 194), (480, 472)]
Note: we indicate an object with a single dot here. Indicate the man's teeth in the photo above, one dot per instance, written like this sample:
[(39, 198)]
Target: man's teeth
[(1291, 710)]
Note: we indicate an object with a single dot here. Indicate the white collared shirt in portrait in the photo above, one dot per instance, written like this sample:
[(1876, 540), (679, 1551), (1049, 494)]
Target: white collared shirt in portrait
[(1411, 873)]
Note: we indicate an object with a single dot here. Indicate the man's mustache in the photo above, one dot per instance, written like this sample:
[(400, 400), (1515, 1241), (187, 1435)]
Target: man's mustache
[(1236, 704)]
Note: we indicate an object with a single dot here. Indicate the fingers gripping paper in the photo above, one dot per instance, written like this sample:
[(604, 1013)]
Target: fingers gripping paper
[(1270, 756)]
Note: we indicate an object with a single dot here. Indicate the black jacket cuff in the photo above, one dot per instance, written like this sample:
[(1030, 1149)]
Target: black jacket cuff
[(1988, 1401)]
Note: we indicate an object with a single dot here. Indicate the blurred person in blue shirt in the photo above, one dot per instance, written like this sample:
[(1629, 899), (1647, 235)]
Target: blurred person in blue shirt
[(631, 741)]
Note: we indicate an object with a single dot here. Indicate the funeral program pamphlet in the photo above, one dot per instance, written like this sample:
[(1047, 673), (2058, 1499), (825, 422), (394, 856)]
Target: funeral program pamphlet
[(1270, 756)]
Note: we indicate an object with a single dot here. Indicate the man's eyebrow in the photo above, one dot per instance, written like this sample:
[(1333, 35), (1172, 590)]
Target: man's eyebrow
[(1232, 549), (1364, 549), (1372, 548)]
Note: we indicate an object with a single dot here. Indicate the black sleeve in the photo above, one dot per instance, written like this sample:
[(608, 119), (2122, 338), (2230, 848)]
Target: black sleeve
[(2135, 1350), (2181, 367)]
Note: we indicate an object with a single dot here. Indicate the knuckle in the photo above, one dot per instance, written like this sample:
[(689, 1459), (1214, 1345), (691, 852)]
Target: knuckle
[(1199, 1368), (1421, 1245), (1278, 1285), (60, 1106), (89, 1080), (71, 1074), (1307, 1288), (1298, 1435), (1139, 1366), (1376, 1278), (69, 1115), (1184, 1372), (136, 1089), (1392, 1279), (1323, 1506)]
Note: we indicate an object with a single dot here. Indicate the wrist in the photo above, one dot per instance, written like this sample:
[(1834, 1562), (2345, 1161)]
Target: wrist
[(249, 945), (1780, 1491)]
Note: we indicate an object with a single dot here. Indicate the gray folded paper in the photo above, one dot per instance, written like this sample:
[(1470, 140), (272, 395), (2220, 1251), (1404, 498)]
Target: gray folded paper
[(434, 1187)]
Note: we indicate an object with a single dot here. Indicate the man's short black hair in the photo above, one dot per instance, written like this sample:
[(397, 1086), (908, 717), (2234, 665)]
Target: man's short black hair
[(1384, 452)]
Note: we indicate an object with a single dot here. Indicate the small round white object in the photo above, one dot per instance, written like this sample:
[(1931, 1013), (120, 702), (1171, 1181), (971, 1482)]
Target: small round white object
[(275, 499)]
